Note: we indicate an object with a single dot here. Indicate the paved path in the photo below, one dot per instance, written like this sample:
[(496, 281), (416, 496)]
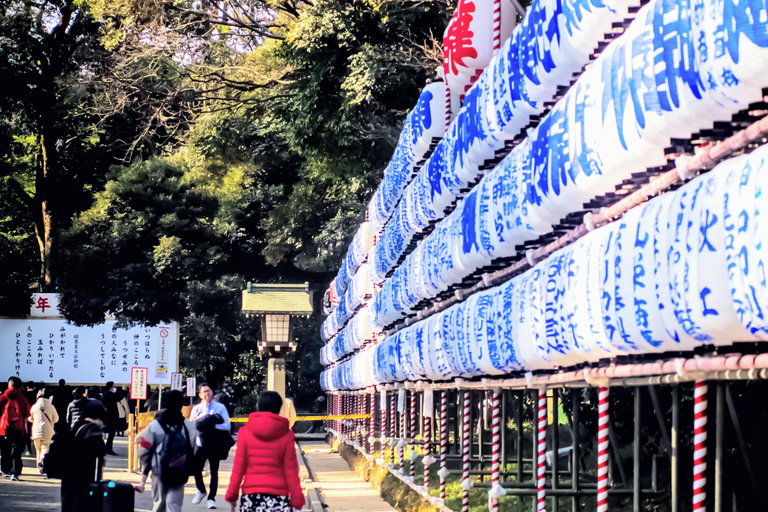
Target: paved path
[(36, 494), (342, 489)]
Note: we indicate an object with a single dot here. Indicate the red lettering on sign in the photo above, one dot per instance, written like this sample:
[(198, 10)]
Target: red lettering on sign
[(42, 304)]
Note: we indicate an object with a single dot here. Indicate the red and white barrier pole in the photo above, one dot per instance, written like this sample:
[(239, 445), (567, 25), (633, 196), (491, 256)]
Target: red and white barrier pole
[(541, 459), (700, 446), (466, 432), (427, 409), (496, 26), (392, 424), (337, 411), (372, 424), (412, 433), (402, 424), (448, 113), (496, 489), (602, 450), (360, 423), (443, 442), (383, 426)]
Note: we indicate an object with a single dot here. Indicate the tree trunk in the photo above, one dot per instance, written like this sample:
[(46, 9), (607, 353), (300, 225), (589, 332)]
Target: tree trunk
[(45, 185)]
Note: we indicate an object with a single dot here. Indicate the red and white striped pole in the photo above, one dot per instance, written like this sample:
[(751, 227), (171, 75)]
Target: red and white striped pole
[(339, 425), (541, 459), (383, 426), (393, 424), (466, 429), (427, 408), (448, 113), (336, 425), (402, 424), (700, 446), (496, 489), (372, 423), (342, 411), (360, 423), (496, 26), (412, 433), (602, 450), (443, 442)]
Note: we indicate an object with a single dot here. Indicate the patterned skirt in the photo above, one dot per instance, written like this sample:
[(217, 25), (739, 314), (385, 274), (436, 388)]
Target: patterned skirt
[(265, 503)]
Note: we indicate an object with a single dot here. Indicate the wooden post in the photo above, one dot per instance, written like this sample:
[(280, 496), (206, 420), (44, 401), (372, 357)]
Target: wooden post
[(131, 441)]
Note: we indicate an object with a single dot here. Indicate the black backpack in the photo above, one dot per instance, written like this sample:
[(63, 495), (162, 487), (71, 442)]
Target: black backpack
[(176, 457), (57, 463)]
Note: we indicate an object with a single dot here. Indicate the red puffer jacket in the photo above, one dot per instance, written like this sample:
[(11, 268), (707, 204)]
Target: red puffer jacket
[(265, 460), (14, 395)]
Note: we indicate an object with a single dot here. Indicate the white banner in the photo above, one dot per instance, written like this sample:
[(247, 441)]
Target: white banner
[(191, 386), (46, 350), (428, 405)]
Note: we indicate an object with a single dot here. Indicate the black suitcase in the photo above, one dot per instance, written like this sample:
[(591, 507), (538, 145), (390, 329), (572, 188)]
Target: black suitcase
[(108, 495), (111, 496)]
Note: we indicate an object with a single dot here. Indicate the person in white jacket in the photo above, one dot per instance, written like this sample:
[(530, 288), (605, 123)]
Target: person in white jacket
[(43, 417)]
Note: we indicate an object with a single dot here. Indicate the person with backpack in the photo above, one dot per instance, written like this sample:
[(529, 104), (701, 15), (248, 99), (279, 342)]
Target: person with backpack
[(167, 449), (75, 455), (43, 418), (13, 428), (265, 466)]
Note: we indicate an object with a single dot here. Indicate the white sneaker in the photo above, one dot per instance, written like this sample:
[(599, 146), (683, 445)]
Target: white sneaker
[(211, 504), (198, 498)]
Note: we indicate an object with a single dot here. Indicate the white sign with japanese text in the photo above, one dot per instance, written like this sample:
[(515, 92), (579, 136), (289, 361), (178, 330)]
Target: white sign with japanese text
[(46, 350), (191, 386), (177, 381), (139, 383)]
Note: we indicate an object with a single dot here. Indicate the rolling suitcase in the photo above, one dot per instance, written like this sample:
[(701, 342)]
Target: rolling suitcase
[(110, 496)]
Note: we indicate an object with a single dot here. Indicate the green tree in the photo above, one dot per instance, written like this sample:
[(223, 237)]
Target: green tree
[(146, 239)]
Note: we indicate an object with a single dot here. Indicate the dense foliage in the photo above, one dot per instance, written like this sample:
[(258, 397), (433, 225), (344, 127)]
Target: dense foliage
[(156, 156)]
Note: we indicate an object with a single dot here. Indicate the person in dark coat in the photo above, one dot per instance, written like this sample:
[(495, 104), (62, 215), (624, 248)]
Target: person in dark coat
[(318, 407), (77, 406), (61, 399), (89, 445), (113, 415), (30, 393)]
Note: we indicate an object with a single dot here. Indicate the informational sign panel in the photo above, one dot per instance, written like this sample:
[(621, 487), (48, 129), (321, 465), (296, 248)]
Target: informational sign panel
[(46, 350), (139, 383), (191, 386), (177, 381)]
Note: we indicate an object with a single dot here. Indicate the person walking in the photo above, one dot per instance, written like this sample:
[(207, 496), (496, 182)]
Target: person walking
[(61, 399), (318, 407), (43, 418), (30, 393), (13, 428), (205, 414), (123, 410), (77, 406), (87, 442), (265, 468), (167, 449), (113, 415)]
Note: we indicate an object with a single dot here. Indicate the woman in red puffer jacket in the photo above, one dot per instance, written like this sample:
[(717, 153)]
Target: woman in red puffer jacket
[(265, 465)]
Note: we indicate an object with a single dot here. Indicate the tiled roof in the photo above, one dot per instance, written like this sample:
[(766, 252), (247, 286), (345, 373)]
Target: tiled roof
[(277, 298)]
